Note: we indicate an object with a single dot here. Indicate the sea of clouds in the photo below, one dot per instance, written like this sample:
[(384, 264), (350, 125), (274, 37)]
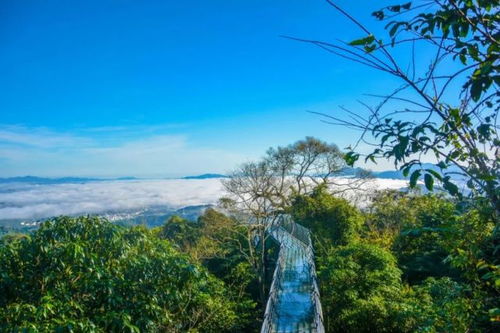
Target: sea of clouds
[(31, 201)]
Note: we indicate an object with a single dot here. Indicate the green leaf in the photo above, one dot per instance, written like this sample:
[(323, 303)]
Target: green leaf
[(363, 41), (351, 158), (414, 177), (442, 165), (495, 312), (464, 31), (476, 89), (484, 130), (406, 171), (450, 187), (379, 14), (435, 174), (395, 8), (370, 48), (384, 139), (370, 157), (455, 114), (429, 181), (393, 30), (463, 59)]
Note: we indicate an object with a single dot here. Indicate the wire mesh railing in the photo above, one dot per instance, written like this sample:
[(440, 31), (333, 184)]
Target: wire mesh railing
[(270, 313), (296, 230)]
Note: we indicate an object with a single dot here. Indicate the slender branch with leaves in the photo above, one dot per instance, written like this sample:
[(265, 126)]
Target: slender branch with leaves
[(446, 106)]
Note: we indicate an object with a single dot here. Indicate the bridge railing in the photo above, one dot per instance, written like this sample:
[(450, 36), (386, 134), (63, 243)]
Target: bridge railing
[(296, 230), (271, 313), (318, 318)]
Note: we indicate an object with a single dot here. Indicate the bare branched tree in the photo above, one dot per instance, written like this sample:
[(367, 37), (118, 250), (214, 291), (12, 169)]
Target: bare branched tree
[(260, 191), (265, 188)]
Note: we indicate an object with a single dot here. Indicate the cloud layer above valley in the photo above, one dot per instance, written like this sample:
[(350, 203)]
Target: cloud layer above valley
[(23, 201), (28, 202)]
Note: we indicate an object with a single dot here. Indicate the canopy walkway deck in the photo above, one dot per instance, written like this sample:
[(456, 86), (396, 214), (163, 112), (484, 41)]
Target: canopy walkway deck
[(293, 304)]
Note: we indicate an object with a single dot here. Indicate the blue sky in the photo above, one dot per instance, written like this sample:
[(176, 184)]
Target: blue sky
[(168, 88)]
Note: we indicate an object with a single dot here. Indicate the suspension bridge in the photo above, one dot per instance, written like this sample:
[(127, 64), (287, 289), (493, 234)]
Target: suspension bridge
[(293, 305)]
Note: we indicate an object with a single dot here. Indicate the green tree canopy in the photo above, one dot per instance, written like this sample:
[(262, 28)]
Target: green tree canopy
[(87, 275), (360, 286), (330, 219), (439, 305), (180, 232), (223, 246), (419, 226)]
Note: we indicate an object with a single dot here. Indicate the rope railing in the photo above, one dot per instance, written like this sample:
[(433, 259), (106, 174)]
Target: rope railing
[(285, 230)]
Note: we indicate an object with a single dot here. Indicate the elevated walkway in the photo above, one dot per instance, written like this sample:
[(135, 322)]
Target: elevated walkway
[(293, 304)]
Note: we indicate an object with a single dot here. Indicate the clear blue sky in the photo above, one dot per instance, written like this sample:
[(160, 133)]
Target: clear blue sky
[(167, 88)]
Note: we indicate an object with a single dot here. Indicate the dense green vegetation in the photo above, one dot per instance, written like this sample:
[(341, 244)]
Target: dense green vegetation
[(409, 263), (220, 244), (86, 275)]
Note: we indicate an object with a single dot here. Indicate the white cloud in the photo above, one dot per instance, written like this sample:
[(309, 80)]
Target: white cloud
[(21, 201), (137, 151), (39, 137)]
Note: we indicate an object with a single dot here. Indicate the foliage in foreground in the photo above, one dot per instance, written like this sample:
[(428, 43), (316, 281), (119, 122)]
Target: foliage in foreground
[(86, 274), (446, 108), (444, 54)]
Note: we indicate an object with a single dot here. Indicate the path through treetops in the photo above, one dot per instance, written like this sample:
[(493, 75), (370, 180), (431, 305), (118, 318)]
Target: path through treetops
[(293, 304)]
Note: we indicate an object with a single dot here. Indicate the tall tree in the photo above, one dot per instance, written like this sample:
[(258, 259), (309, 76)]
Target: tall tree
[(262, 190), (447, 105)]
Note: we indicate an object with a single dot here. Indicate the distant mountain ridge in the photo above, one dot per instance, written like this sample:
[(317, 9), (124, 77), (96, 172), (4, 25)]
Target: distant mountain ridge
[(63, 180), (346, 172), (206, 176), (389, 174), (68, 180)]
